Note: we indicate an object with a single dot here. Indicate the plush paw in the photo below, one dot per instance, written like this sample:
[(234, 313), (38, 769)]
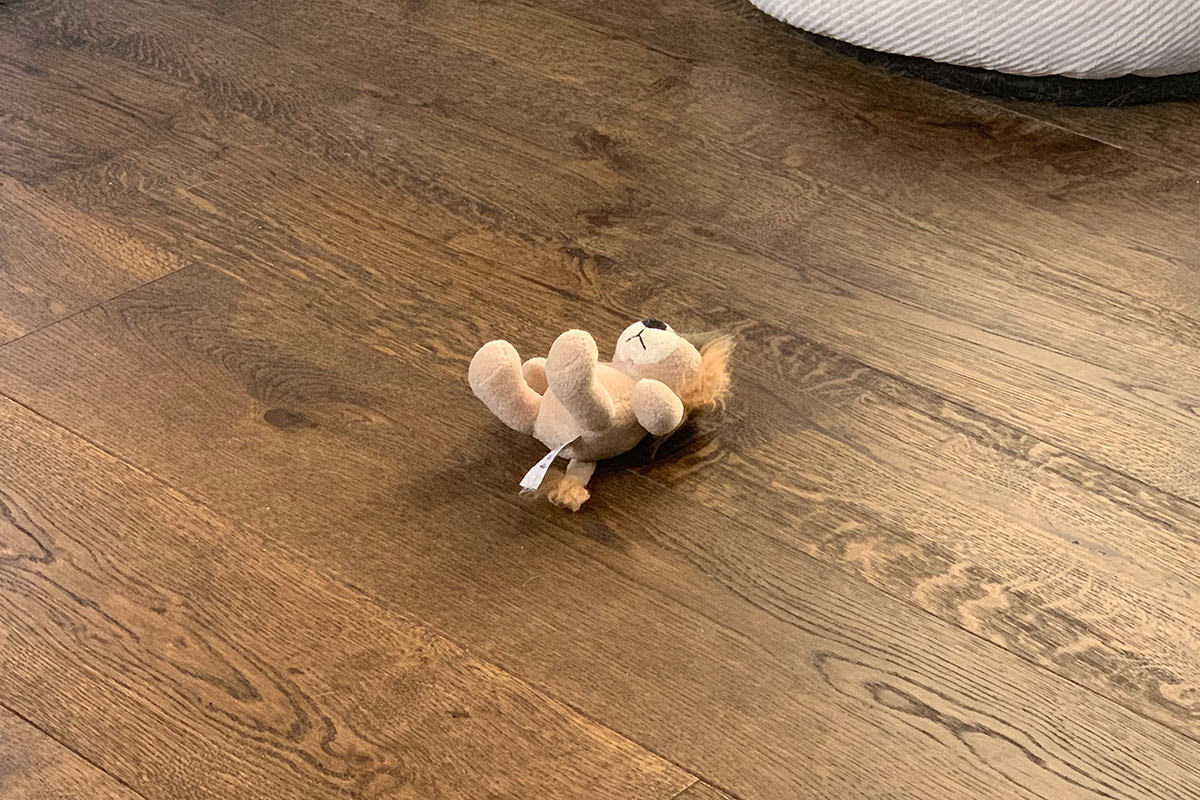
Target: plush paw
[(571, 376), (568, 493), (574, 352), (495, 378), (657, 408), (493, 368)]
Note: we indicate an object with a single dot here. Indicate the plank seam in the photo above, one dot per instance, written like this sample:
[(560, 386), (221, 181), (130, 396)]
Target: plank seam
[(4, 706)]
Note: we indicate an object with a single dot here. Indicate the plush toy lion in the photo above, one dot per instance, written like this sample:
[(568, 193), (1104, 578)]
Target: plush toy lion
[(587, 410)]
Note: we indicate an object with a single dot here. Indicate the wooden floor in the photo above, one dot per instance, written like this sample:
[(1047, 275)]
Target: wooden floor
[(258, 540)]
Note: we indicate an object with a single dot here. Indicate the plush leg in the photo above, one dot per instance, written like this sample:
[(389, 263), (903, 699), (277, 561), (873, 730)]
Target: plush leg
[(535, 374), (571, 375), (496, 379), (657, 408), (570, 491)]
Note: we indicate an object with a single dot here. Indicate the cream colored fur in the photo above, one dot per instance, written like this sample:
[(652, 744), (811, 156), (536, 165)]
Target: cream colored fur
[(655, 380)]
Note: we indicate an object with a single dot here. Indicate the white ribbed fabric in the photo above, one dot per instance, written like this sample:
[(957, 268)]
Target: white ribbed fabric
[(1076, 38)]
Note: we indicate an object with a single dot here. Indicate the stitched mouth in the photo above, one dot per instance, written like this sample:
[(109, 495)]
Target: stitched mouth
[(638, 336)]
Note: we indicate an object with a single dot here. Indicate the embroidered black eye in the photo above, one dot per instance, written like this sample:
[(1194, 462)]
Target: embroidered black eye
[(658, 325)]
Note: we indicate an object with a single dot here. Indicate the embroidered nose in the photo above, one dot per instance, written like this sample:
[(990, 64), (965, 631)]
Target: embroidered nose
[(658, 325)]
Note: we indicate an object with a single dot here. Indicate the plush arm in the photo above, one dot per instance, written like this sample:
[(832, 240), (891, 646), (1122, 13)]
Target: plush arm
[(495, 378), (571, 375), (658, 409)]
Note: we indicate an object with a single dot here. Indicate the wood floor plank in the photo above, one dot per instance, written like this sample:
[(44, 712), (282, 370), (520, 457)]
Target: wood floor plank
[(1048, 535), (925, 383), (1032, 159), (55, 260), (940, 155), (573, 607), (35, 767), (1053, 556), (186, 659), (291, 407), (1032, 344)]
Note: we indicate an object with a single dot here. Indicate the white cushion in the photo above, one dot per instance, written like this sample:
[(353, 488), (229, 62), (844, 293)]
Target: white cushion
[(1076, 38)]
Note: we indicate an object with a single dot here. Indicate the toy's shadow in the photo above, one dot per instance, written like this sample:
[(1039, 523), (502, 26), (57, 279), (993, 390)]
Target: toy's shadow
[(688, 438)]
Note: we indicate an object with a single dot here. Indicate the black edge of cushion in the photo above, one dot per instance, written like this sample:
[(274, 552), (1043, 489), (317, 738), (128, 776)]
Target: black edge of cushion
[(1129, 90)]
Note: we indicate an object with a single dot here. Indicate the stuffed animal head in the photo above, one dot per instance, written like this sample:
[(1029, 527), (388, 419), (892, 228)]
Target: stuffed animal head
[(652, 349)]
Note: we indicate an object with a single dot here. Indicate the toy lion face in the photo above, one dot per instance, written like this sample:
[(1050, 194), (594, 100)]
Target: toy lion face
[(651, 349), (646, 342)]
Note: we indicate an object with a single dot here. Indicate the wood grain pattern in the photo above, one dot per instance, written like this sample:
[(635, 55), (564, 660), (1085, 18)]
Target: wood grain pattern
[(159, 642), (940, 546), (895, 521), (973, 347), (64, 110), (359, 401), (1067, 313), (35, 767)]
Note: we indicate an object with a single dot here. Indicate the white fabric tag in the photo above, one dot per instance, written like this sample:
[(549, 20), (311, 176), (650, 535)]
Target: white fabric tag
[(533, 479)]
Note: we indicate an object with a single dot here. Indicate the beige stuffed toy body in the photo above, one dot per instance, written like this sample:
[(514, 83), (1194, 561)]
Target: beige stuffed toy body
[(655, 380)]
